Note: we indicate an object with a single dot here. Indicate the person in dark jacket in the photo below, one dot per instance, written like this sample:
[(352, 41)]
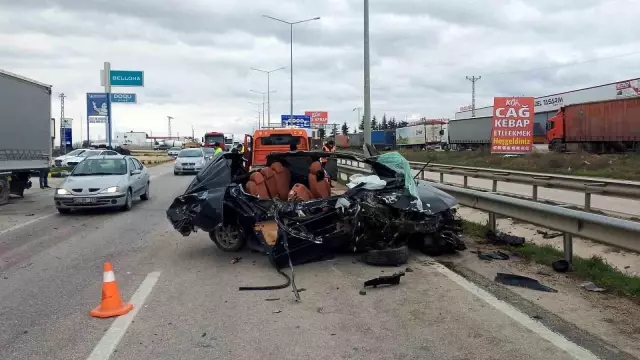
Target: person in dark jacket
[(44, 178)]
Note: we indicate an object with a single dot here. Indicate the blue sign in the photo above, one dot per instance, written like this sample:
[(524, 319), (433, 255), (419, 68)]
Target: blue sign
[(126, 78), (124, 98), (301, 121), (68, 139), (97, 105)]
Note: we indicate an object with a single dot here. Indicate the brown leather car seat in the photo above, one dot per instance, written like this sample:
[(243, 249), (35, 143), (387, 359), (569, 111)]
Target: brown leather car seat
[(298, 193), (283, 178), (319, 188), (270, 181), (256, 186)]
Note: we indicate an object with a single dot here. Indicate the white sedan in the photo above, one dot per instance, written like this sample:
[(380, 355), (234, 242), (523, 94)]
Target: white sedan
[(189, 161)]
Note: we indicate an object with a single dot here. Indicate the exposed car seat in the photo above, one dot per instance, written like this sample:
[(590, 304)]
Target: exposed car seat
[(298, 193), (283, 178), (270, 181), (320, 188), (256, 186)]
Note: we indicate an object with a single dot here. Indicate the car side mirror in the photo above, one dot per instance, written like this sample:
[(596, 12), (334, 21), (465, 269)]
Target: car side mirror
[(136, 172)]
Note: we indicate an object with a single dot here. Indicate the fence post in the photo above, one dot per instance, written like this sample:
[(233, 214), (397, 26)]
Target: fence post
[(587, 200), (534, 196), (492, 223), (465, 183), (568, 247), (442, 178), (421, 175), (494, 187)]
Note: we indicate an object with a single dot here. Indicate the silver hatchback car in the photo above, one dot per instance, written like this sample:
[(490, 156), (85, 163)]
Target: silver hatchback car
[(110, 181), (189, 161)]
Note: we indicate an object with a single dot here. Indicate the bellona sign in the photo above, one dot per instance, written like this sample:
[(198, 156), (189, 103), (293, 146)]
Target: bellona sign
[(127, 78)]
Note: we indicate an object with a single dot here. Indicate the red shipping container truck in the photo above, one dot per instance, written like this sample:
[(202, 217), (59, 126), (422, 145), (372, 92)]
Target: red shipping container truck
[(602, 126)]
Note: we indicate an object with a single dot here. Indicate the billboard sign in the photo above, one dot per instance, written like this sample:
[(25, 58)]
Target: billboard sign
[(301, 121), (124, 98), (66, 123), (628, 88), (127, 78), (318, 117), (512, 125), (410, 135), (97, 108)]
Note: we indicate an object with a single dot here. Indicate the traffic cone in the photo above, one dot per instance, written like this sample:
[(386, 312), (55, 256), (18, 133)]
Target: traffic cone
[(111, 304)]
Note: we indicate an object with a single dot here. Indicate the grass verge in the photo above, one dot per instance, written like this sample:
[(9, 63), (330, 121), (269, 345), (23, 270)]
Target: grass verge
[(594, 269)]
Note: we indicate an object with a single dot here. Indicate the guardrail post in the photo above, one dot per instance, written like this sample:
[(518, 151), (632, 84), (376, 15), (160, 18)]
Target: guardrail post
[(492, 223), (465, 183), (442, 178), (494, 187), (534, 196), (421, 175), (587, 200), (568, 247)]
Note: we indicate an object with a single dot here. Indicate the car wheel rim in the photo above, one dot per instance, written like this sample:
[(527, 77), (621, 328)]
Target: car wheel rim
[(227, 236)]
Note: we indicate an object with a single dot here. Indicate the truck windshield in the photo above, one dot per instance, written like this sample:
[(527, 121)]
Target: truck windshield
[(211, 139), (280, 139)]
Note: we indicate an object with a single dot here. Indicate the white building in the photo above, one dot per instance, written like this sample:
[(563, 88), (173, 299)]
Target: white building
[(131, 138)]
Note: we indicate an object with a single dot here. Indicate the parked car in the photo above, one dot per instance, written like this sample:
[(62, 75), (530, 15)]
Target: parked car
[(189, 161), (62, 159), (288, 204), (162, 147), (174, 151), (103, 182), (74, 160)]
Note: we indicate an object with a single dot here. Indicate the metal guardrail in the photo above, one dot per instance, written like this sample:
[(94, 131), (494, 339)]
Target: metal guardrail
[(588, 186), (604, 229)]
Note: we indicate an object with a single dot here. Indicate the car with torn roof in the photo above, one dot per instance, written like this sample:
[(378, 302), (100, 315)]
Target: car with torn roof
[(287, 207)]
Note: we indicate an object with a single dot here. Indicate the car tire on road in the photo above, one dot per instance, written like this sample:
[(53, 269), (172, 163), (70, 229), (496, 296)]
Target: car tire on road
[(175, 173), (229, 238), (64, 211), (387, 257), (146, 194), (128, 202)]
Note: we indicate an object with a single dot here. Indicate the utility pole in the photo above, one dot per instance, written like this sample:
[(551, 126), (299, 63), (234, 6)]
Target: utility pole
[(367, 77), (63, 144), (193, 133), (169, 118), (268, 72), (473, 80)]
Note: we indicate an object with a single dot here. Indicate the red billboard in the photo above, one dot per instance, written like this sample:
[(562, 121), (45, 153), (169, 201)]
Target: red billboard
[(318, 117), (512, 128)]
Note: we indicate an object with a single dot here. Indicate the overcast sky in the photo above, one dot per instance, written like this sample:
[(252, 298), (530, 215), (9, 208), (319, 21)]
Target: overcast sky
[(197, 54)]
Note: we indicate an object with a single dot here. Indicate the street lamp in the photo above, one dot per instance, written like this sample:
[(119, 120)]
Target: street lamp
[(258, 111), (263, 94), (291, 57), (268, 91)]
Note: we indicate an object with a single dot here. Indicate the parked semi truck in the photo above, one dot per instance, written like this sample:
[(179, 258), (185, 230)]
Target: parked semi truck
[(602, 126), (25, 132)]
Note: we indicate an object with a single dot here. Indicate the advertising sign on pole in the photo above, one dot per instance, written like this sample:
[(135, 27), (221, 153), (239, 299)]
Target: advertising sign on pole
[(318, 117), (123, 98), (410, 135), (512, 127), (97, 108), (301, 121), (124, 78)]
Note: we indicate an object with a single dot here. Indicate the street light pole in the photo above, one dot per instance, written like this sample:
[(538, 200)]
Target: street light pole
[(291, 53), (367, 78), (258, 111), (263, 102), (268, 72)]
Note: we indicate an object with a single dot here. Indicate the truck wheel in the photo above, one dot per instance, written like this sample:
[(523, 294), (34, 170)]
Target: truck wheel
[(387, 257), (4, 190)]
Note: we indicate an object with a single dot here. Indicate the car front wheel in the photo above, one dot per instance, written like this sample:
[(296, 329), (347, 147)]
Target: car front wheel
[(146, 194), (64, 211), (229, 238)]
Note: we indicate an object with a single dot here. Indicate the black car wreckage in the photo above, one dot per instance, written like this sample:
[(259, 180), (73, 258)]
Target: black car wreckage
[(286, 210)]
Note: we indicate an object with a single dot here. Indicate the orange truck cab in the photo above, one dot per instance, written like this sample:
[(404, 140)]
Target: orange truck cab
[(265, 141), (555, 131)]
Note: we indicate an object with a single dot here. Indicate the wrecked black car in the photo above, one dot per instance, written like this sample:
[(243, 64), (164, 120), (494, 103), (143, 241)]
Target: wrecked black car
[(289, 210)]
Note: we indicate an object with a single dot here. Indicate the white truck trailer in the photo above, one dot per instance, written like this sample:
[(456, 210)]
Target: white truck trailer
[(25, 132)]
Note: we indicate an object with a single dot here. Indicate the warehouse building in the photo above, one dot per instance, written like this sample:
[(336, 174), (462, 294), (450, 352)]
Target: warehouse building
[(477, 130)]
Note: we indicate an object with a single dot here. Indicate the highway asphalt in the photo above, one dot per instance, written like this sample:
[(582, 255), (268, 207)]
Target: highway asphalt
[(188, 305)]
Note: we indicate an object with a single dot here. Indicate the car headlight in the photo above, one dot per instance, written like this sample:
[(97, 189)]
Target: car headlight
[(110, 190), (62, 192)]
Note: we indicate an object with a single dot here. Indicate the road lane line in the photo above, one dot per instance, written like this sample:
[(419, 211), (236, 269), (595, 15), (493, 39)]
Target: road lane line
[(16, 227), (573, 349), (112, 337)]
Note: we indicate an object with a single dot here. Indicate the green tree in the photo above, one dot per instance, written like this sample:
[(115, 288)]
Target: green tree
[(321, 133), (355, 130), (334, 132), (384, 125), (374, 123), (393, 123), (402, 124), (361, 126), (345, 128)]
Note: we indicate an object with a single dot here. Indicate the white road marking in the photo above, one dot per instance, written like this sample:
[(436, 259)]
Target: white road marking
[(578, 352), (16, 227), (118, 328)]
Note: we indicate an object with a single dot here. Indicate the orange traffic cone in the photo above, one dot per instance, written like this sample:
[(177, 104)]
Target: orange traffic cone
[(111, 304)]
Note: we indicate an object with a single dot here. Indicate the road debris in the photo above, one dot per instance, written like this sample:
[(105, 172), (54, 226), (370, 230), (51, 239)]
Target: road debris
[(277, 311), (493, 255), (589, 286), (385, 280), (522, 281), (235, 259), (363, 292), (561, 266), (408, 269), (271, 299), (504, 239), (548, 235)]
